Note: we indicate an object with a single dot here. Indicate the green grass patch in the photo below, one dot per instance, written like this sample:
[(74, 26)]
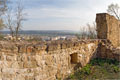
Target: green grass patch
[(98, 69)]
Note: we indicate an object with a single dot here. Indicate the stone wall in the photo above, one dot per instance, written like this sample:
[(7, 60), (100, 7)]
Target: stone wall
[(57, 59), (107, 50), (43, 61), (49, 60), (108, 27)]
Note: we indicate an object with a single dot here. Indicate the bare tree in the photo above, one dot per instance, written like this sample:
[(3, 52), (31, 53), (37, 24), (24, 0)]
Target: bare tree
[(83, 32), (92, 30), (14, 19), (1, 24), (114, 9), (19, 18), (87, 32), (9, 21), (3, 6)]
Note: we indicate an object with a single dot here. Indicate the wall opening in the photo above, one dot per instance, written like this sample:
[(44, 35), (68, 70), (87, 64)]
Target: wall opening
[(74, 58)]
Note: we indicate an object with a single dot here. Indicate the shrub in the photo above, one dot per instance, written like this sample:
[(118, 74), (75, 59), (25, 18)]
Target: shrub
[(98, 69), (86, 70), (1, 37), (116, 68)]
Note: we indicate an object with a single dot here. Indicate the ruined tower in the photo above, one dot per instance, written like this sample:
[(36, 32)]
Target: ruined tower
[(108, 27)]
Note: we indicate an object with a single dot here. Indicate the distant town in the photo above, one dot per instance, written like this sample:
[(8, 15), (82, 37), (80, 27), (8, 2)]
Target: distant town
[(42, 35)]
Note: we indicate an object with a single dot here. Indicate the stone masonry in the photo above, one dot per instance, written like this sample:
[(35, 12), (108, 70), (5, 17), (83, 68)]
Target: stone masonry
[(48, 61), (57, 59), (108, 27)]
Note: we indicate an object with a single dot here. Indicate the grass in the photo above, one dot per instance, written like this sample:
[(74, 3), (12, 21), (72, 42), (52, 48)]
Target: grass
[(100, 69)]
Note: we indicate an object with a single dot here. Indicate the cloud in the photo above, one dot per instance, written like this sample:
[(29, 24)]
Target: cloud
[(63, 14), (54, 12)]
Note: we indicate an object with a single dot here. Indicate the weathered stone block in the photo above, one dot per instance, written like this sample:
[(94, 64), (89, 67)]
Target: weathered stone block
[(52, 47), (30, 64), (108, 27)]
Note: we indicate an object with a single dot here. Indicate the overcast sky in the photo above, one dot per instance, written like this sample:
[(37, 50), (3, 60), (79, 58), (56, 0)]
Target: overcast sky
[(62, 14)]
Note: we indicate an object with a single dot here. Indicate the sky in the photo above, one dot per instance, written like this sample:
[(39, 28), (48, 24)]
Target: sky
[(62, 14)]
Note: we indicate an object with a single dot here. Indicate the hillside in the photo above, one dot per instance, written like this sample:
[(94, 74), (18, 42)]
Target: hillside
[(100, 69)]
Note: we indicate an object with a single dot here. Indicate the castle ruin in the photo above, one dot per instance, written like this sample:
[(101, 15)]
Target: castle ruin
[(57, 59), (108, 27)]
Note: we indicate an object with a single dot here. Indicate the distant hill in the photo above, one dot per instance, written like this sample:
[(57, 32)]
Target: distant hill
[(45, 32)]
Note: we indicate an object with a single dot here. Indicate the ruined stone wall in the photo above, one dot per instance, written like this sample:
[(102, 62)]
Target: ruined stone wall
[(43, 61), (107, 50), (51, 60), (57, 59), (108, 27)]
